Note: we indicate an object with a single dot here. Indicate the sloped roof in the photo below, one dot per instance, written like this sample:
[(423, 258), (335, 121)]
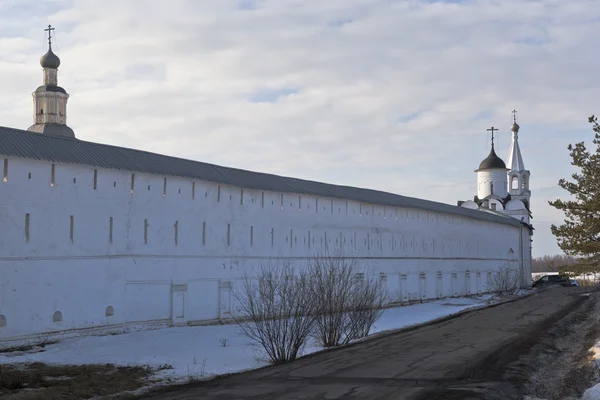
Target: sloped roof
[(24, 144)]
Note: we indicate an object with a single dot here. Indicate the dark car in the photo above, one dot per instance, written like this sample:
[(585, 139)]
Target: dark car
[(553, 280)]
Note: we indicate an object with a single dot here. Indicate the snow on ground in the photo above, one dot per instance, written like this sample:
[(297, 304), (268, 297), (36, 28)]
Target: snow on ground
[(593, 393), (208, 350)]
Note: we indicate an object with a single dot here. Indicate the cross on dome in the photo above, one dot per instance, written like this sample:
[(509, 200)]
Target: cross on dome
[(49, 29), (492, 129)]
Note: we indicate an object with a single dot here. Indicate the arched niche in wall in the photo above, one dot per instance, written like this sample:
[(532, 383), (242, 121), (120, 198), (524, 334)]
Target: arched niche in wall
[(110, 311), (2, 321), (57, 317)]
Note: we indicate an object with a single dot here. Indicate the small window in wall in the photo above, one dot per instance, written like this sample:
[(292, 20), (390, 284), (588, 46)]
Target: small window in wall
[(148, 187), (272, 237), (299, 202), (110, 230), (74, 180), (493, 205), (176, 227), (282, 201), (27, 219), (218, 193), (251, 235), (115, 184), (524, 183), (29, 176), (203, 232), (241, 197), (95, 179), (291, 236), (262, 199), (6, 170), (228, 234), (145, 231), (193, 190), (52, 174), (71, 227), (179, 191), (514, 182), (110, 311), (57, 317), (2, 321), (165, 186), (132, 182)]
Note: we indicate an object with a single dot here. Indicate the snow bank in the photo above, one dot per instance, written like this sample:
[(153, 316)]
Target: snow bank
[(203, 351)]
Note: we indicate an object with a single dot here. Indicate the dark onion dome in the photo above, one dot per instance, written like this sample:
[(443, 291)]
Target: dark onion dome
[(492, 161), (50, 60)]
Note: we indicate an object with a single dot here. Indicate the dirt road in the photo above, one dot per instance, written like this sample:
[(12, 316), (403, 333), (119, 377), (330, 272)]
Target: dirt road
[(461, 358)]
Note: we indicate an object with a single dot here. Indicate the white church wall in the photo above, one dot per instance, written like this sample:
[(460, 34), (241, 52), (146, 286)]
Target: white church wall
[(486, 178), (175, 251)]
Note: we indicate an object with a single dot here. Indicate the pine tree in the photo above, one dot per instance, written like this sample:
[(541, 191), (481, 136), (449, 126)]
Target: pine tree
[(579, 235)]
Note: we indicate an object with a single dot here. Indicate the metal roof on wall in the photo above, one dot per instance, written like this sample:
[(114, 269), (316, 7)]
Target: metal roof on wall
[(24, 144)]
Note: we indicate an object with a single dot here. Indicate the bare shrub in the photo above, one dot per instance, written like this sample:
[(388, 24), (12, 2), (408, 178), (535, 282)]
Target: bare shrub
[(348, 304), (505, 281), (12, 379), (277, 311)]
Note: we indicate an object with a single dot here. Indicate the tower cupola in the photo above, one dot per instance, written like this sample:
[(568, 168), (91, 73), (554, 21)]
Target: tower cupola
[(50, 100), (491, 175)]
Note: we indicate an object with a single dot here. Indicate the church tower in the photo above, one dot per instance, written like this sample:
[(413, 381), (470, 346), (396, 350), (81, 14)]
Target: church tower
[(518, 176), (491, 176), (50, 100)]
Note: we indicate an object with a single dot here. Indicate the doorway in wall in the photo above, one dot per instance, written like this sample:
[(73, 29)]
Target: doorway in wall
[(403, 289), (422, 286), (225, 299), (454, 284), (178, 303), (467, 282)]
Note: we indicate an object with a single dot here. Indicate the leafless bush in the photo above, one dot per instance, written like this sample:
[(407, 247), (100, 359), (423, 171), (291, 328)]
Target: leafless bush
[(505, 281), (277, 311), (348, 304), (11, 379)]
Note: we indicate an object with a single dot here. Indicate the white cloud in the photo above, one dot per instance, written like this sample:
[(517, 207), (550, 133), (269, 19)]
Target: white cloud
[(392, 95)]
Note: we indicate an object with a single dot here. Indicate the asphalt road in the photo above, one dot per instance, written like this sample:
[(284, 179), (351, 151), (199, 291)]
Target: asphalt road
[(460, 358)]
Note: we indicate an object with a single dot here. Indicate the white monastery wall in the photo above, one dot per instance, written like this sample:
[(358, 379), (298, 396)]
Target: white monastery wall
[(176, 247)]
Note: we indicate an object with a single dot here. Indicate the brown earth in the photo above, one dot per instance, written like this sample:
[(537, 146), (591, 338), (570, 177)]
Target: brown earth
[(38, 381), (482, 354)]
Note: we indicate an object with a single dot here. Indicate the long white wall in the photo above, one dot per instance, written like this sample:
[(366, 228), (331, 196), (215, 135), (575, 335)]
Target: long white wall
[(83, 247)]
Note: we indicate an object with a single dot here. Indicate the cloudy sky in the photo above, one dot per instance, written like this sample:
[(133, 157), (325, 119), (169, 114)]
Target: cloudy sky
[(393, 95)]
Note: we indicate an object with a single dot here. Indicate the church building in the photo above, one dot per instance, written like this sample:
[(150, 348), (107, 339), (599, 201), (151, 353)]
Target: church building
[(502, 189), (100, 239)]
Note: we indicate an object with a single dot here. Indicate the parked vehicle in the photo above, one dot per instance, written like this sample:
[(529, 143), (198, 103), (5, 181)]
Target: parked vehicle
[(554, 280), (574, 282)]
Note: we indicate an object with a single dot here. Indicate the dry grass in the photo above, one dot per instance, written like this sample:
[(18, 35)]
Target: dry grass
[(564, 366), (37, 381)]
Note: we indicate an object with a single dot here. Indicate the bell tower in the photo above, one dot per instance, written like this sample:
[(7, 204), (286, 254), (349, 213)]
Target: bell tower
[(518, 176), (50, 100)]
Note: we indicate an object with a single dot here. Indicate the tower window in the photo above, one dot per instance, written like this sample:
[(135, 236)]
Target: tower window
[(514, 182)]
